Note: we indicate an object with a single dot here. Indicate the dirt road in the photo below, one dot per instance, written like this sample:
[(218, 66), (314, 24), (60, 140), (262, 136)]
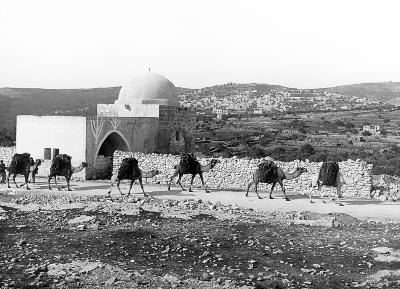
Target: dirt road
[(360, 208)]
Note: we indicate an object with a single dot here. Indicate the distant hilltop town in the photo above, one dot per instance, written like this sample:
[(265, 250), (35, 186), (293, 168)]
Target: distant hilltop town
[(256, 99)]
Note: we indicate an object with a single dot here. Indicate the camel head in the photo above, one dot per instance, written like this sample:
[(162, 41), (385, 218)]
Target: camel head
[(38, 162), (85, 165), (214, 162)]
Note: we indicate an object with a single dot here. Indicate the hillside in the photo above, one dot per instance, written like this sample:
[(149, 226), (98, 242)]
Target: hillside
[(379, 91), (82, 102), (37, 101)]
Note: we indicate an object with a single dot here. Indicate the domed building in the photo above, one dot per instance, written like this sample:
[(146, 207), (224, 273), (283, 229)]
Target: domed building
[(149, 88), (146, 117)]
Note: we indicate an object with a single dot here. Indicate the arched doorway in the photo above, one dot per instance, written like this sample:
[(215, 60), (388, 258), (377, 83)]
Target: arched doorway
[(104, 157)]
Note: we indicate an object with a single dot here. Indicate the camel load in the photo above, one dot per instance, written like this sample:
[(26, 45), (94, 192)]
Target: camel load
[(328, 173), (19, 161), (129, 168), (189, 162), (60, 162), (267, 171)]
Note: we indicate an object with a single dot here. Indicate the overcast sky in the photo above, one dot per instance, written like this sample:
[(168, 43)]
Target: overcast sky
[(299, 43)]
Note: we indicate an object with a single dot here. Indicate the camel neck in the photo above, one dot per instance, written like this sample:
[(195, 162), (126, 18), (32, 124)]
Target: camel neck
[(206, 168), (292, 175), (77, 169)]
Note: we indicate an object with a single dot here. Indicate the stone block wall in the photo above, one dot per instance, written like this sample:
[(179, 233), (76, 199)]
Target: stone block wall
[(6, 154), (235, 174)]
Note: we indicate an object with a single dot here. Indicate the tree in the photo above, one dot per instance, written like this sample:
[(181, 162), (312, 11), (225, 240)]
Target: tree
[(307, 149)]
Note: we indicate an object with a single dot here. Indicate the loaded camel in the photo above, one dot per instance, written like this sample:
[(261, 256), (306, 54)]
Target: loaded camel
[(330, 176), (61, 166), (268, 172), (129, 170), (190, 165), (22, 164)]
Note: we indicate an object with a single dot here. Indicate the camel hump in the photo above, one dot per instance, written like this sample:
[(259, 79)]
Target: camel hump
[(129, 162), (18, 157), (19, 162), (129, 167), (328, 173), (59, 163), (188, 162), (266, 170)]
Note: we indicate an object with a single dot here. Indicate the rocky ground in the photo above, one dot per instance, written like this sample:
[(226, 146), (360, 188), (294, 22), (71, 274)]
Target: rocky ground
[(63, 240)]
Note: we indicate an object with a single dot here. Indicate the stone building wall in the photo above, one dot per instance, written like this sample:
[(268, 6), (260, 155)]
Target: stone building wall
[(172, 120), (6, 154), (234, 173)]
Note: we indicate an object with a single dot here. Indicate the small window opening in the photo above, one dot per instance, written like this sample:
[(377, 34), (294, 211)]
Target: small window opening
[(47, 154), (56, 152)]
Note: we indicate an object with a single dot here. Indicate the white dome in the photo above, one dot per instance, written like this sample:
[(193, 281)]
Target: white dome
[(149, 88)]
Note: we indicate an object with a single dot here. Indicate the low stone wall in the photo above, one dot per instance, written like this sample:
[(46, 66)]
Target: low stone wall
[(6, 154), (235, 174)]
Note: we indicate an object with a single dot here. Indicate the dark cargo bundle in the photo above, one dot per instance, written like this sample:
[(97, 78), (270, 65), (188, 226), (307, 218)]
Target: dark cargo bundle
[(188, 162), (267, 170), (328, 173), (59, 163), (128, 165), (18, 162)]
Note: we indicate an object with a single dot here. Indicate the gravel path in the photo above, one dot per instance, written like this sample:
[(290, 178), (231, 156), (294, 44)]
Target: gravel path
[(360, 208)]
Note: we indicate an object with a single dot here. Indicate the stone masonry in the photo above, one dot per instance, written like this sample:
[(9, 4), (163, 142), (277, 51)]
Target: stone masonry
[(235, 173)]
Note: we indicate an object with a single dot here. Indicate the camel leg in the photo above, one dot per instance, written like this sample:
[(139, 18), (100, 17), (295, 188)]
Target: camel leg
[(320, 192), (14, 180), (33, 179), (256, 190), (130, 186), (248, 188), (311, 192), (284, 191), (49, 179), (202, 181), (26, 181), (141, 185), (119, 187), (68, 179), (8, 180), (339, 192), (55, 181), (191, 183), (172, 178), (179, 182), (111, 186), (272, 189)]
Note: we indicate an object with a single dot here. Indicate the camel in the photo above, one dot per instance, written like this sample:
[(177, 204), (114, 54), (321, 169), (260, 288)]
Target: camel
[(61, 166), (273, 175), (129, 170), (338, 182), (193, 168), (22, 164)]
